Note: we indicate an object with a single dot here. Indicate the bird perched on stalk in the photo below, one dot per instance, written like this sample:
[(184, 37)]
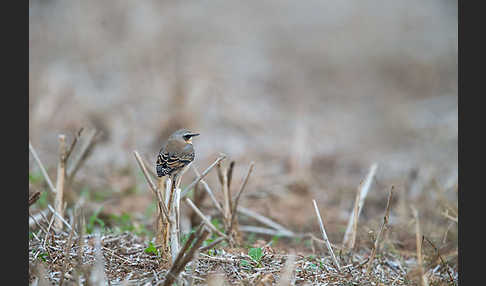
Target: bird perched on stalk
[(177, 153)]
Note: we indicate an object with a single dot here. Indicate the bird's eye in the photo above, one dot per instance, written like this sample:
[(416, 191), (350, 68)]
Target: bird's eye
[(186, 137)]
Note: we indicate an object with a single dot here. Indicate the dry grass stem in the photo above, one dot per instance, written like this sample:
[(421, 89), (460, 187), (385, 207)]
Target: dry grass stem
[(73, 144), (199, 178), (219, 259), (56, 215), (324, 235), (350, 234), (209, 191), (229, 174), (354, 223), (448, 216), (168, 191), (151, 170), (418, 235), (119, 257), (204, 218), (41, 166), (185, 247), (222, 174), (173, 206), (446, 232), (267, 231), (202, 236), (265, 220), (48, 231), (36, 217), (35, 221), (161, 221), (163, 233), (33, 198), (185, 255), (198, 197), (441, 259), (242, 188), (380, 233), (61, 174), (174, 224), (151, 184), (78, 161)]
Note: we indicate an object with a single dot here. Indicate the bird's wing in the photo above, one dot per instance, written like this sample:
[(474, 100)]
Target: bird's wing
[(175, 160), (167, 160), (186, 158)]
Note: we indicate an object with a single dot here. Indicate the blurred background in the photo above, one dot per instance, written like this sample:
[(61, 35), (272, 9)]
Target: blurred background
[(313, 92)]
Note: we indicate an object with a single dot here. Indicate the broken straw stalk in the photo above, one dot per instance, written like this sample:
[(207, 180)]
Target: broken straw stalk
[(61, 174), (383, 226), (186, 254), (208, 191), (42, 168), (350, 234), (324, 235), (223, 179), (418, 235)]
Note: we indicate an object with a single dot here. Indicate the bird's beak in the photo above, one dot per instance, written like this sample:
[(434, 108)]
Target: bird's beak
[(193, 134)]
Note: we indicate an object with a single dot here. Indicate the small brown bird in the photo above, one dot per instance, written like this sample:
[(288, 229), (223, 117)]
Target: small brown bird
[(177, 153)]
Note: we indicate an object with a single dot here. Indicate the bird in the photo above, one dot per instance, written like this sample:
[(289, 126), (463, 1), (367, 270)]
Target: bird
[(176, 154)]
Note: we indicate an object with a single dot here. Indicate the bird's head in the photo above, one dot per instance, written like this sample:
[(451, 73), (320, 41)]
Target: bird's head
[(184, 135)]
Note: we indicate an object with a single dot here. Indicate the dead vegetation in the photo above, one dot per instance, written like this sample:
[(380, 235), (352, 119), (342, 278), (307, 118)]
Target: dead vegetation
[(60, 250), (125, 261)]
